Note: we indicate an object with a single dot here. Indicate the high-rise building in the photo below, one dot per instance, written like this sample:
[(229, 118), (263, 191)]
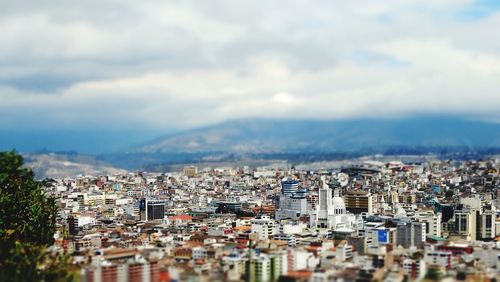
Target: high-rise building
[(486, 224), (404, 234), (415, 269), (288, 187), (190, 171), (279, 264), (259, 269), (465, 223), (151, 209), (476, 218), (264, 226), (75, 222), (358, 202), (292, 206), (331, 211), (433, 222), (411, 234), (419, 234), (72, 225)]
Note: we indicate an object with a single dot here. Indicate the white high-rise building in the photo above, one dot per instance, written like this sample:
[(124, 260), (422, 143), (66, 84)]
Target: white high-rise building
[(264, 226), (331, 212), (433, 222)]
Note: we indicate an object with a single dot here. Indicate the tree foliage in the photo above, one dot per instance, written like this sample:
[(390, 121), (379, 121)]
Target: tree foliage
[(434, 273), (449, 194), (27, 226)]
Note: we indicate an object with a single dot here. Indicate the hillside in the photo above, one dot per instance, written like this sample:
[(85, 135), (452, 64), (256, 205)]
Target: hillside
[(264, 136), (64, 165)]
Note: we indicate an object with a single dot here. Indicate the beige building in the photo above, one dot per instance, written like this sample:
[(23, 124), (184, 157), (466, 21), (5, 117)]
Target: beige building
[(190, 171), (359, 201)]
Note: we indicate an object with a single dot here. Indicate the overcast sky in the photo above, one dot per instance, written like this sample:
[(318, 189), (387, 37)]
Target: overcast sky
[(180, 64)]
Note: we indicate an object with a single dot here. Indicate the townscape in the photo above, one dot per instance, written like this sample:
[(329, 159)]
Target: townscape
[(256, 141), (374, 221)]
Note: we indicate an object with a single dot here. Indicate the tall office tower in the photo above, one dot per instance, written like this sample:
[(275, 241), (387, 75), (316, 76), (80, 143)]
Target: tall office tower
[(358, 202), (419, 234), (190, 171), (465, 223), (482, 219), (72, 225), (404, 234), (151, 209), (432, 220), (292, 206), (486, 225), (411, 234), (259, 269), (325, 202), (288, 187)]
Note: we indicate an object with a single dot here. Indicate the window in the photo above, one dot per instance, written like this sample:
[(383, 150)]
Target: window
[(463, 224), (488, 220)]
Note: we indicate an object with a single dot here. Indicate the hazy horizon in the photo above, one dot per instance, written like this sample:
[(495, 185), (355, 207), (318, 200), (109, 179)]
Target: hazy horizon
[(400, 130)]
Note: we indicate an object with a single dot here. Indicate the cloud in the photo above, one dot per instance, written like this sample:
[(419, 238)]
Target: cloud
[(180, 64)]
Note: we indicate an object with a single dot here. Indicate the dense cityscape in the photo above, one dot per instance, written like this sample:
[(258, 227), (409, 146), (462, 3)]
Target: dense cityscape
[(373, 221), (256, 141)]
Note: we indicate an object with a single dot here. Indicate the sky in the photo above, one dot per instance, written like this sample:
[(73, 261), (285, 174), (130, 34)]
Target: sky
[(156, 66)]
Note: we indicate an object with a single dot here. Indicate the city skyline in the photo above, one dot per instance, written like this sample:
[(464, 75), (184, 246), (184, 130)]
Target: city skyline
[(260, 141)]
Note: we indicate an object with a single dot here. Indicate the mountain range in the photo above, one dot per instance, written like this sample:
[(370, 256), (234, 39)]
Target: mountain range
[(268, 136), (259, 141)]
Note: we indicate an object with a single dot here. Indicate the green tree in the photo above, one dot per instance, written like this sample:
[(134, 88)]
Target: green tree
[(27, 226), (449, 194), (434, 273), (461, 276)]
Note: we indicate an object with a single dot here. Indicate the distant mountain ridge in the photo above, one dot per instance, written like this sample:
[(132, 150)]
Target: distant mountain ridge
[(265, 141), (267, 136), (68, 165)]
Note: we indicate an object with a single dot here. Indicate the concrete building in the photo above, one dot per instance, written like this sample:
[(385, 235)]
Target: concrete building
[(358, 202), (486, 224), (465, 223), (411, 234), (264, 226), (415, 269), (292, 206), (151, 209), (288, 187), (259, 269), (432, 221), (331, 212), (444, 258), (190, 171)]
